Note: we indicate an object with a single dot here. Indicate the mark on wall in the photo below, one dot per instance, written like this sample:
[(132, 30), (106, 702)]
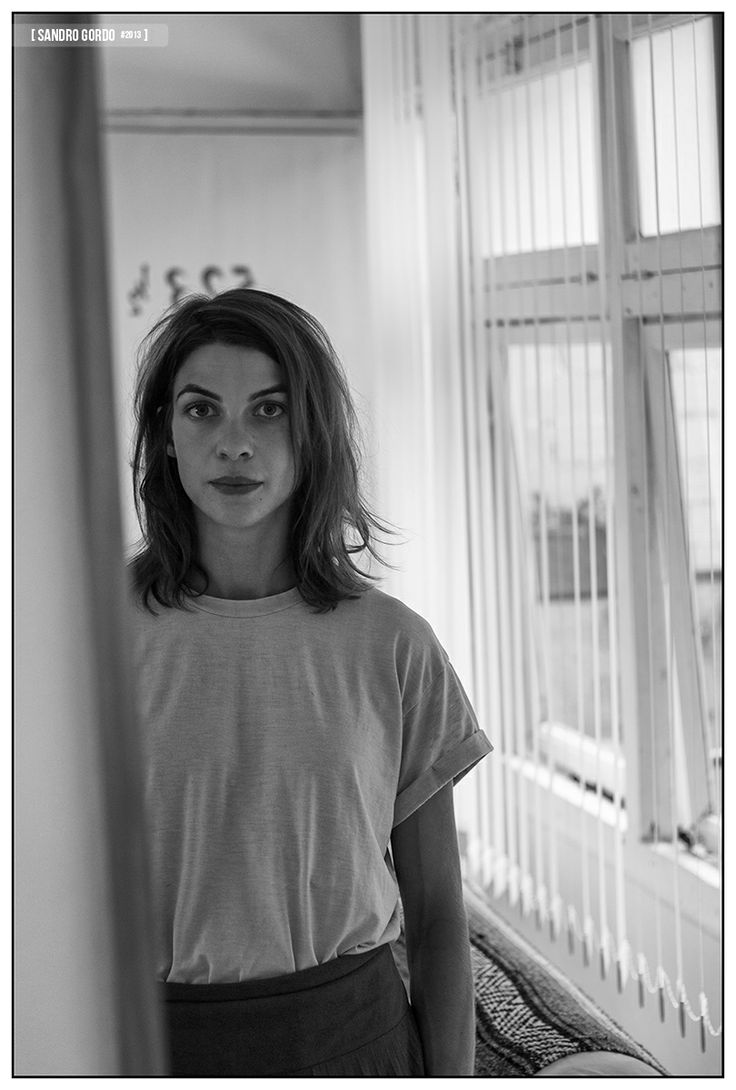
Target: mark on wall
[(211, 279)]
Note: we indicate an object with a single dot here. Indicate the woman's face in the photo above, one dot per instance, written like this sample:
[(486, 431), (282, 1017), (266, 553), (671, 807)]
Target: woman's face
[(231, 438)]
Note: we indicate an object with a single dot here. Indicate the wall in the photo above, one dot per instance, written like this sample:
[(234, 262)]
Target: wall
[(59, 814), (84, 1000)]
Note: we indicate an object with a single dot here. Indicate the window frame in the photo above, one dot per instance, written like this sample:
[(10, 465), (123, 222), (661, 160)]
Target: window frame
[(661, 292)]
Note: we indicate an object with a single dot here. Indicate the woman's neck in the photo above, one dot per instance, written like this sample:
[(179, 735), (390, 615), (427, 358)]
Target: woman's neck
[(244, 568)]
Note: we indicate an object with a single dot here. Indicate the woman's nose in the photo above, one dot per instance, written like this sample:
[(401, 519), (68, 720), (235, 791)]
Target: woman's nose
[(235, 441)]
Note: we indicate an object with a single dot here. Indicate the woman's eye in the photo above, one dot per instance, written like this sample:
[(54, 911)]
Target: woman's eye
[(199, 411), (271, 410)]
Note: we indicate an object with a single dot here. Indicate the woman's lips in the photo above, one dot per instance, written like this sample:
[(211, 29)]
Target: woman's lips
[(235, 485)]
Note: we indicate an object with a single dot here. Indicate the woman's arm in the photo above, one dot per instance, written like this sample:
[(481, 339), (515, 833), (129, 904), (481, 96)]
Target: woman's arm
[(425, 853)]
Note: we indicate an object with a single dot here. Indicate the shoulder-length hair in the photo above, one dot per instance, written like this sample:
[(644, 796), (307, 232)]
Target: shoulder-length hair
[(332, 522)]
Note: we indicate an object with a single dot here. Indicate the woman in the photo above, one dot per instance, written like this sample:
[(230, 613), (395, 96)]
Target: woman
[(302, 729)]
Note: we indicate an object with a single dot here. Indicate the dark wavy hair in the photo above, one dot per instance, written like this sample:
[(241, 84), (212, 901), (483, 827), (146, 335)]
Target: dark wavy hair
[(332, 522)]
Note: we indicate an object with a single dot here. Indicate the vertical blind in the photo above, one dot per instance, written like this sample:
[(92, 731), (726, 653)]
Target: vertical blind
[(564, 170)]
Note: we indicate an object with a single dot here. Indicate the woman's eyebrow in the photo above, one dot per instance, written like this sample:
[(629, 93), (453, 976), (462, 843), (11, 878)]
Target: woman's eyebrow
[(192, 388), (279, 389)]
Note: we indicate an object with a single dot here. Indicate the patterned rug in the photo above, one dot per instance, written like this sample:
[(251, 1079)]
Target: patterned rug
[(528, 1015)]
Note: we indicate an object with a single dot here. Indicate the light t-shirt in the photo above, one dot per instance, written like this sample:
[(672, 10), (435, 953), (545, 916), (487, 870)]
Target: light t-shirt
[(281, 748)]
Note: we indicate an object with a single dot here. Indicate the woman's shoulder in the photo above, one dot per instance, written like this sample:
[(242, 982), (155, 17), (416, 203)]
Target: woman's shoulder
[(392, 620), (143, 617), (391, 607)]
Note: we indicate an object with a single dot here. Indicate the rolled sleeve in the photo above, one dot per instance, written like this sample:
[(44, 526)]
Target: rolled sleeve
[(451, 766), (441, 740)]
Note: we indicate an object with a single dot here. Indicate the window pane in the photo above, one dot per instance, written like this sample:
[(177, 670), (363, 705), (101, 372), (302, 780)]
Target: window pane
[(697, 393), (674, 93), (542, 163), (558, 410), (696, 377)]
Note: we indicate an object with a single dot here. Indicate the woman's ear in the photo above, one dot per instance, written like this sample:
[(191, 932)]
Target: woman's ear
[(170, 449)]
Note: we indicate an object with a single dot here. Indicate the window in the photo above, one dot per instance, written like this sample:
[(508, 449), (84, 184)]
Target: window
[(600, 246), (552, 315)]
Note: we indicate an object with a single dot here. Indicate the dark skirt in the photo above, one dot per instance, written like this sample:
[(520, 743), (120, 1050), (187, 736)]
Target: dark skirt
[(348, 1017)]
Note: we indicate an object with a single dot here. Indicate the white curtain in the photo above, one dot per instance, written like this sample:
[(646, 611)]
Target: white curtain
[(413, 244), (431, 440)]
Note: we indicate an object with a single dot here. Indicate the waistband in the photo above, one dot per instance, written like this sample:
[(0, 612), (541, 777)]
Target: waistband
[(314, 977), (288, 1024)]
